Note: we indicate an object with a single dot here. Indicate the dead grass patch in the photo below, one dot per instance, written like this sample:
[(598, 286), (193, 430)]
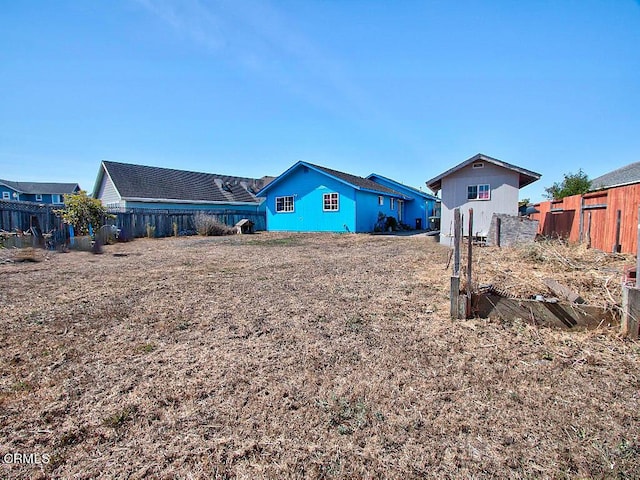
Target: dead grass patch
[(321, 356)]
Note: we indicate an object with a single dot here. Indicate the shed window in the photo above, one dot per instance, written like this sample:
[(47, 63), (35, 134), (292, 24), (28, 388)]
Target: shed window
[(392, 203), (479, 192), (55, 199), (6, 195), (330, 202), (380, 200), (284, 204), (38, 197)]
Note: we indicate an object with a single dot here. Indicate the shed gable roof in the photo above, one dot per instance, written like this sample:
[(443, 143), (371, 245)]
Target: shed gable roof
[(626, 175), (156, 183), (525, 176), (359, 183), (41, 188)]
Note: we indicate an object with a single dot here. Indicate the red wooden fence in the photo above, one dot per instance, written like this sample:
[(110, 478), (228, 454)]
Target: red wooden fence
[(592, 217)]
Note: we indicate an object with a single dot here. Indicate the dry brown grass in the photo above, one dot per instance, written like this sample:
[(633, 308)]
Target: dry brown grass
[(317, 356), (595, 275)]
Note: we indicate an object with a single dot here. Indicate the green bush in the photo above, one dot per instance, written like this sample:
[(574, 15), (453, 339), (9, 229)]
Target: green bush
[(80, 210)]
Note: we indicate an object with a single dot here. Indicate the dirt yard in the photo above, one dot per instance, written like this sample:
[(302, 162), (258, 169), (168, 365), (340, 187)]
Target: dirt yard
[(296, 356)]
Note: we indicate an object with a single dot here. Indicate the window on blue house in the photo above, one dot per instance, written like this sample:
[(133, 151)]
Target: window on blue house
[(380, 200), (392, 203), (330, 202), (38, 197), (284, 204), (6, 196), (56, 199)]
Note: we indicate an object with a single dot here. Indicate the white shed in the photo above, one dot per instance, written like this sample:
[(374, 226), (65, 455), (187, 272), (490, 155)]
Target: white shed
[(487, 185)]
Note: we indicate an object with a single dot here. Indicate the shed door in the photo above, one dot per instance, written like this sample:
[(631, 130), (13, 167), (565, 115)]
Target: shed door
[(400, 210)]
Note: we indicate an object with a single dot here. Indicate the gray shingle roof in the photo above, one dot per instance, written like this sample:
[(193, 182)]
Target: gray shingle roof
[(45, 188), (525, 176), (622, 176), (141, 181), (412, 189), (361, 182)]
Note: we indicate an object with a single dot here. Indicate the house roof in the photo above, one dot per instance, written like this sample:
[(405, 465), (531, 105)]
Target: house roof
[(359, 183), (145, 183), (626, 175), (526, 176), (412, 189), (41, 188)]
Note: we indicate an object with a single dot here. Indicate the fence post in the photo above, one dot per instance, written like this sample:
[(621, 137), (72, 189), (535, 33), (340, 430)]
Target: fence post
[(616, 246), (631, 298), (469, 266), (638, 250), (454, 293), (630, 311), (581, 220)]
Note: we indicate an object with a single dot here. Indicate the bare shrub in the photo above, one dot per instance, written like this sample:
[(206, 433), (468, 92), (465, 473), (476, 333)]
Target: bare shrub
[(208, 225)]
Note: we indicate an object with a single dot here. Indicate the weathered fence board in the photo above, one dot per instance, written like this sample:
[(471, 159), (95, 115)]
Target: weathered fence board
[(597, 212), (554, 314), (24, 215), (133, 222)]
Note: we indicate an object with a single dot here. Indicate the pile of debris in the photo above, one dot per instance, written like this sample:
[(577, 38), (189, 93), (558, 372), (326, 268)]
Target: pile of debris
[(527, 271), (545, 283)]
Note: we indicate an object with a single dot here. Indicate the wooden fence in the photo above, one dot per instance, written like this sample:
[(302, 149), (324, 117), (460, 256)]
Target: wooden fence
[(24, 215), (133, 222), (606, 219)]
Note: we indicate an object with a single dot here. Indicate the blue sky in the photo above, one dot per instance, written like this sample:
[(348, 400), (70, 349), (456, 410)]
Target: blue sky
[(406, 89)]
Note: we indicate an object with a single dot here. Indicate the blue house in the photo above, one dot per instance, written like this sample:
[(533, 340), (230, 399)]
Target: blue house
[(419, 206), (40, 192), (311, 198)]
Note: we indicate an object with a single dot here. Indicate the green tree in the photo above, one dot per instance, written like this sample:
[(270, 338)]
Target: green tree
[(573, 184), (80, 210)]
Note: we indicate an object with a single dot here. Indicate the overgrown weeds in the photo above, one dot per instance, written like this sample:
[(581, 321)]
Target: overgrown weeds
[(209, 225), (595, 275)]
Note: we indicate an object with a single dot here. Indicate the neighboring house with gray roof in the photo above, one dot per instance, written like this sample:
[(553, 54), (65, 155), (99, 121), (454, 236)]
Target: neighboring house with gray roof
[(484, 183), (627, 175), (40, 192), (127, 186)]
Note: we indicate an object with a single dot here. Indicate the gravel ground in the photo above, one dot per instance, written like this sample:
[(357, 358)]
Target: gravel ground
[(295, 356)]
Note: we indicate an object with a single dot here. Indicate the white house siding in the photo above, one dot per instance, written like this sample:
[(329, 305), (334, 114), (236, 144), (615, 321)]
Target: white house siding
[(504, 185), (108, 194)]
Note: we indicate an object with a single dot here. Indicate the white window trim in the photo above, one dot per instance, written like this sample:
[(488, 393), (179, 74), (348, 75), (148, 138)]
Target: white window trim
[(56, 199), (6, 195), (324, 196), (38, 197), (284, 204), (380, 200), (477, 197), (392, 204)]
